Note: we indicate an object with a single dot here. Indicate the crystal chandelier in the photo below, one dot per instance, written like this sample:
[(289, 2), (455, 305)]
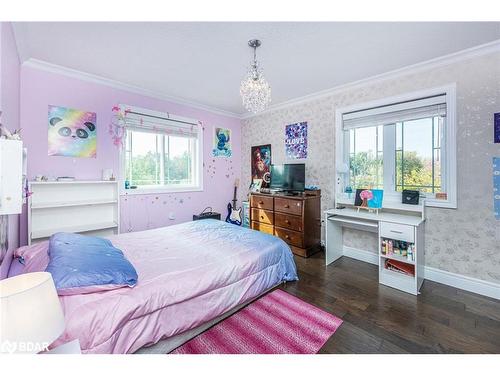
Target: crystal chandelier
[(255, 90)]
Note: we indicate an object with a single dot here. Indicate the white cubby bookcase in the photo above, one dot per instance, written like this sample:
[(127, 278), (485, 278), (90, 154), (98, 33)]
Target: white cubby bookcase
[(80, 206), (402, 235)]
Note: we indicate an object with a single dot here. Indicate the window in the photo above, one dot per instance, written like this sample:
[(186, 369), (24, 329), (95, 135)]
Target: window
[(161, 154), (418, 155), (366, 160), (398, 145)]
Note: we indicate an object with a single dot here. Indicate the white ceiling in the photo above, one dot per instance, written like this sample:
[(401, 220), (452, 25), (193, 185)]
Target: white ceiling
[(205, 62)]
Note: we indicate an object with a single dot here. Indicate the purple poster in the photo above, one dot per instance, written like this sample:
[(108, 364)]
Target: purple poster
[(496, 126), (296, 140)]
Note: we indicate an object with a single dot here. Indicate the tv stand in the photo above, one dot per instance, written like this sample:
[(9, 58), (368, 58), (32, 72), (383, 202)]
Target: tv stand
[(295, 218)]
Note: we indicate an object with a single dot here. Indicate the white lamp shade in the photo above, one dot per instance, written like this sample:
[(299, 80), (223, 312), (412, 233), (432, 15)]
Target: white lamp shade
[(31, 317)]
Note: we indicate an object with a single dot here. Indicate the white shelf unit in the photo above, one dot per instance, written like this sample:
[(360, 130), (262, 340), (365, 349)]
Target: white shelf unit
[(90, 207), (410, 234)]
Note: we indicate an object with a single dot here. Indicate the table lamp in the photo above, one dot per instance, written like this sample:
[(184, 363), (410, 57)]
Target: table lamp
[(31, 317)]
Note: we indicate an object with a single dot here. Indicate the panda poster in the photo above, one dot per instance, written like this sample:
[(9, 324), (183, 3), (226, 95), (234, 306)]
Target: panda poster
[(222, 143), (296, 140), (72, 132)]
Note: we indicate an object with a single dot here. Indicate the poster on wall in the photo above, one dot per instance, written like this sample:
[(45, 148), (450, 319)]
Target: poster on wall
[(496, 127), (296, 140), (261, 164), (496, 187), (222, 143), (72, 132)]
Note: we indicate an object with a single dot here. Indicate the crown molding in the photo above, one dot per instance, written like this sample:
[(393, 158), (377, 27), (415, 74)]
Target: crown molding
[(467, 54), (88, 77), (455, 57)]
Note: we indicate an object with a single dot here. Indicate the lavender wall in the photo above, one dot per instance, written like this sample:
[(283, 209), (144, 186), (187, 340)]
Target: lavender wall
[(138, 212), (9, 100)]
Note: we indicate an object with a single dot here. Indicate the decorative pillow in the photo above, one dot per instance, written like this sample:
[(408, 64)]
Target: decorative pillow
[(83, 264), (34, 258)]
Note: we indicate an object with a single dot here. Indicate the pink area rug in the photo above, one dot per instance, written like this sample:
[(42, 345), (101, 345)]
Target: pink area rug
[(277, 323)]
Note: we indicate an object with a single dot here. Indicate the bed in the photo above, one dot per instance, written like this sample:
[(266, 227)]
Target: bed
[(190, 276)]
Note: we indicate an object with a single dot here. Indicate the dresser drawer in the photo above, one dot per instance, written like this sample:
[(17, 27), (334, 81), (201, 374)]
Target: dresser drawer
[(288, 221), (289, 236), (266, 228), (258, 201), (263, 216), (290, 206), (395, 231)]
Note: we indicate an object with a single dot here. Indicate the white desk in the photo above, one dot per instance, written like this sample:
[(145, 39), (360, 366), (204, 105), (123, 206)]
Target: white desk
[(396, 226)]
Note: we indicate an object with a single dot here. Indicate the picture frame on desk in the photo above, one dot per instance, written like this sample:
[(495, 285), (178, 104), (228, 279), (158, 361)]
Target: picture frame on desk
[(256, 185), (369, 199)]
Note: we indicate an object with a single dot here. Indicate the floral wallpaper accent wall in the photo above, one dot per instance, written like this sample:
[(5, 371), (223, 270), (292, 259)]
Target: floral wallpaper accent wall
[(465, 240)]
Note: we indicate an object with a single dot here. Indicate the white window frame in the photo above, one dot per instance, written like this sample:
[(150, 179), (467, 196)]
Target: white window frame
[(448, 150), (159, 189)]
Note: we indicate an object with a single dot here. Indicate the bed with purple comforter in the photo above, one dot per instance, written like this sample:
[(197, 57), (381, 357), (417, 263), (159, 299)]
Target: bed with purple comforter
[(188, 274)]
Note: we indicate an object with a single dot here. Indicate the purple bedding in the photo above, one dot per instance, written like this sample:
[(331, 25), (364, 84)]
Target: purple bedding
[(188, 274)]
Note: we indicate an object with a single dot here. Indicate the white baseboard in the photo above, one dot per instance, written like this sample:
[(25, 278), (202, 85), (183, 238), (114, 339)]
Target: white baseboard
[(470, 284)]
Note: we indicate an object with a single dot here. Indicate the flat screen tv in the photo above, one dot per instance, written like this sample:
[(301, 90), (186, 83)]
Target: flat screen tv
[(288, 177)]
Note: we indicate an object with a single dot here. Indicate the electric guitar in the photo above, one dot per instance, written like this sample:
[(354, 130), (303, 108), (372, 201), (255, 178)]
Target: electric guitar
[(234, 214)]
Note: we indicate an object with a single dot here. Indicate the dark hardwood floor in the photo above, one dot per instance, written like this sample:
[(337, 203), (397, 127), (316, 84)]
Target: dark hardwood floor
[(379, 319)]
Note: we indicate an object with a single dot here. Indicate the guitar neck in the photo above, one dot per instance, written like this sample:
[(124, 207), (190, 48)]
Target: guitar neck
[(236, 183)]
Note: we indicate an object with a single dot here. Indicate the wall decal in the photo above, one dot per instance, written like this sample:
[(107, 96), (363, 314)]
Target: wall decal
[(71, 132), (261, 164), (496, 127), (222, 143), (496, 187), (296, 140)]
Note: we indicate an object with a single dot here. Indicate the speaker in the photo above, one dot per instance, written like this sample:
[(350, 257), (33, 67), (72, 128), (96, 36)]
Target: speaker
[(410, 196)]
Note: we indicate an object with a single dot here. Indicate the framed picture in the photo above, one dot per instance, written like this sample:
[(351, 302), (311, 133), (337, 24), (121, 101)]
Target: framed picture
[(72, 132), (296, 140), (256, 185), (369, 198), (261, 164), (222, 143)]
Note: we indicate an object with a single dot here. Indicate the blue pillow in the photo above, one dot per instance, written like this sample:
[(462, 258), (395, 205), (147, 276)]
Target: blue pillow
[(83, 264)]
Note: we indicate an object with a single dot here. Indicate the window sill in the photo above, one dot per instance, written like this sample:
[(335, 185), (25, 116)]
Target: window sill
[(394, 202), (437, 203), (166, 190)]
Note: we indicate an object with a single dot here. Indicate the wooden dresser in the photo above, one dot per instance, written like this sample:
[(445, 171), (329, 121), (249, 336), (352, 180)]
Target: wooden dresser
[(294, 219)]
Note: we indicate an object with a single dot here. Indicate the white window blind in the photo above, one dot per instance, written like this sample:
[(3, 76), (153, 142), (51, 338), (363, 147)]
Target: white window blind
[(390, 114), (160, 123), (162, 152)]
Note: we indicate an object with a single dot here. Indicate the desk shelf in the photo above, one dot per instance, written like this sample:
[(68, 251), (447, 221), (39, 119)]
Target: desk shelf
[(399, 258), (411, 235)]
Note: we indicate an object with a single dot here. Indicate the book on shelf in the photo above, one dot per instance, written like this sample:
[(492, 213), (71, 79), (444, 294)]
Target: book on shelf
[(400, 267)]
